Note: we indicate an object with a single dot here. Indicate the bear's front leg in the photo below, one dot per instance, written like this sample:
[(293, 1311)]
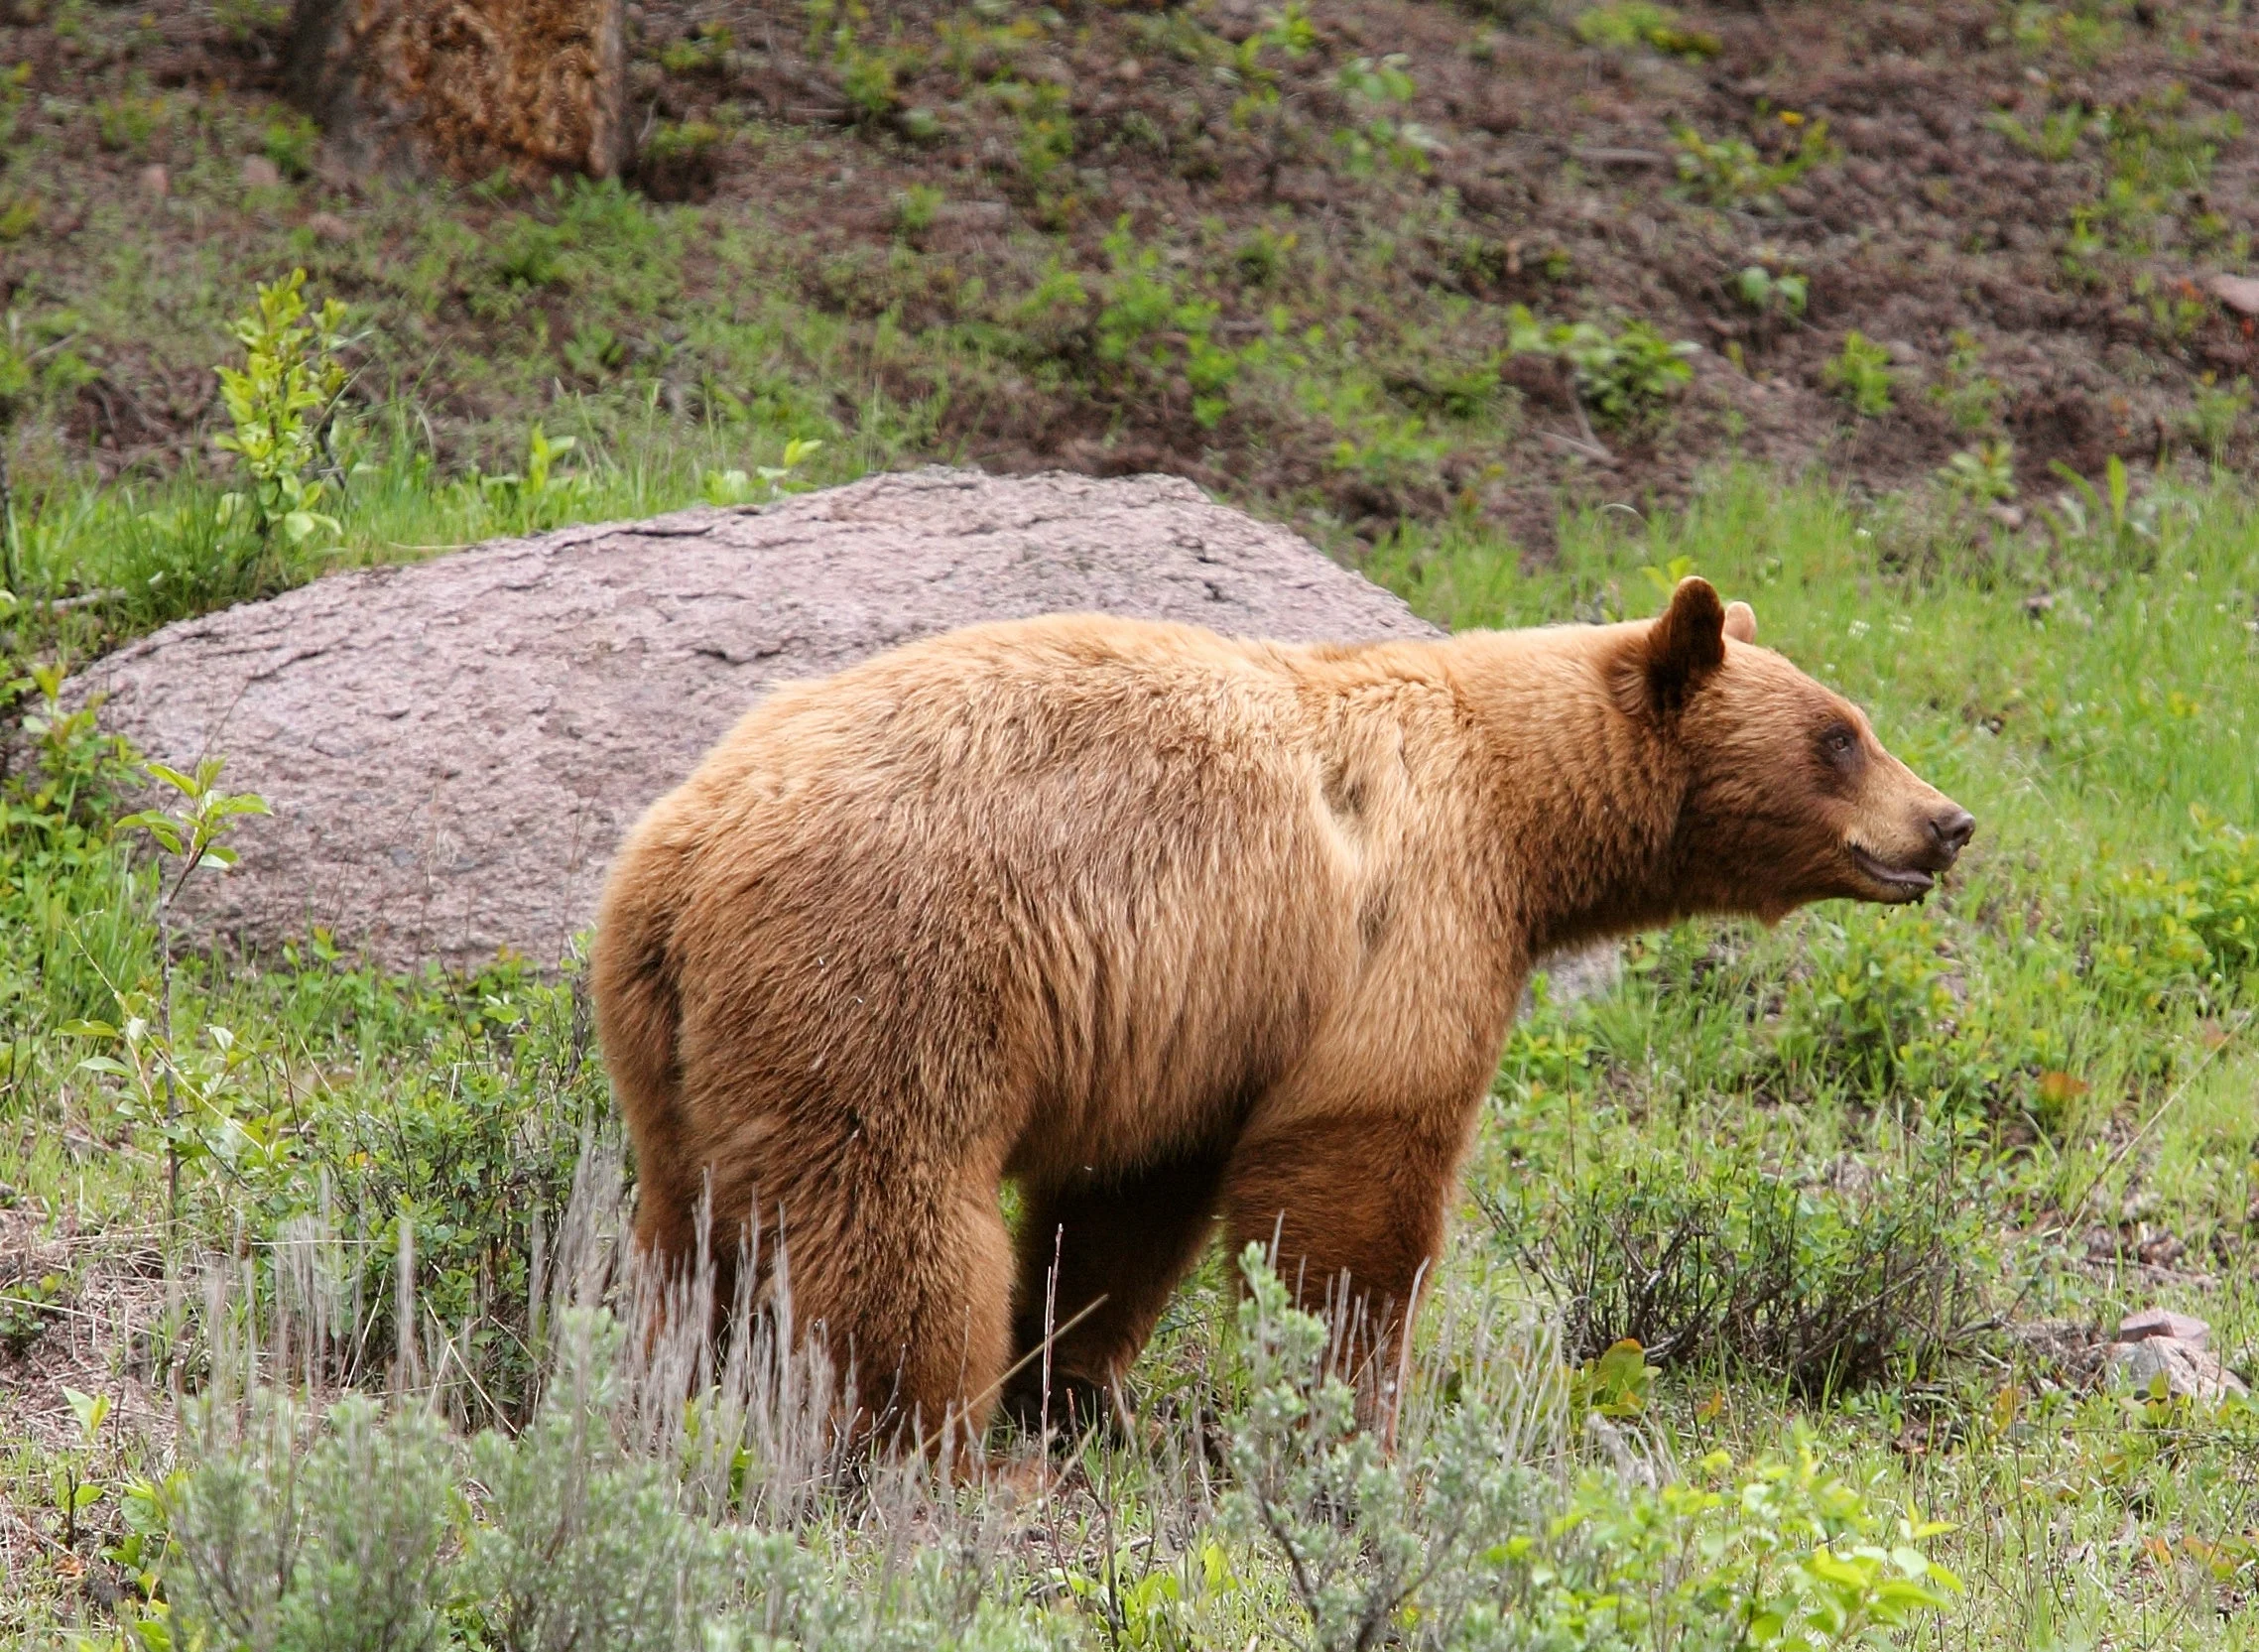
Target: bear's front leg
[(1354, 1205)]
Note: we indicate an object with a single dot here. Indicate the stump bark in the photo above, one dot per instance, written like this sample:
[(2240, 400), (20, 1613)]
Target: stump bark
[(464, 87)]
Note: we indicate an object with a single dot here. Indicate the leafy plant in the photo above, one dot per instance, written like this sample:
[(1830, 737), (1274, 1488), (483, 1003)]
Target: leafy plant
[(128, 121), (282, 403), (1771, 293), (1288, 32), (1983, 474), (1732, 172), (74, 1492), (1658, 1261), (542, 494), (2217, 413), (293, 142), (704, 51), (528, 254), (2057, 138), (1148, 322), (594, 350), (1970, 397), (916, 208), (193, 833), (1629, 23), (1444, 1547), (2109, 520), (2222, 867), (1862, 375), (289, 1546), (1377, 88), (1619, 376), (768, 481)]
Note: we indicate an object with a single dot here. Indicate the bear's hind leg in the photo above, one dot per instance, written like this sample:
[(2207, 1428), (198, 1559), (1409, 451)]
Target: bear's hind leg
[(910, 1292), (1118, 1248)]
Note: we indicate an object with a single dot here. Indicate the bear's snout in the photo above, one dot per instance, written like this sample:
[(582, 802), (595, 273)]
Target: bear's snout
[(1951, 829)]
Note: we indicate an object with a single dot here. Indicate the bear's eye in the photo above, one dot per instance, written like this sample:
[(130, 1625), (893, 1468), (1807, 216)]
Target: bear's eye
[(1840, 745)]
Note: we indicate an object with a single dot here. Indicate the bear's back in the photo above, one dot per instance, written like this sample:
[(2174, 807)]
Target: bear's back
[(1098, 853)]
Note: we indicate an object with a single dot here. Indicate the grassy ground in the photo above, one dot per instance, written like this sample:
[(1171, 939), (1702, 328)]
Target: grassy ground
[(1865, 1186)]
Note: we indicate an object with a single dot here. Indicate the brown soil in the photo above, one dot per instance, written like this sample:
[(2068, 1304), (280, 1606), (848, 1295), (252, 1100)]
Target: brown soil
[(1549, 178)]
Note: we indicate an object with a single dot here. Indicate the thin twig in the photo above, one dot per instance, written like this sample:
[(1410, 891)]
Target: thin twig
[(9, 578), (1591, 449)]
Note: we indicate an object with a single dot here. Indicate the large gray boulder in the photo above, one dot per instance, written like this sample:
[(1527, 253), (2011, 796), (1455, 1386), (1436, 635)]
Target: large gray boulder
[(451, 748)]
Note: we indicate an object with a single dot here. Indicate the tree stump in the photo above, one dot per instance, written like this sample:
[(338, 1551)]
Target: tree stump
[(462, 87)]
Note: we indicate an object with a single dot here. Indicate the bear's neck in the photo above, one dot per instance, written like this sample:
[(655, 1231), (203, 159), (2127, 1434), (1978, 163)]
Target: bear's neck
[(1585, 799)]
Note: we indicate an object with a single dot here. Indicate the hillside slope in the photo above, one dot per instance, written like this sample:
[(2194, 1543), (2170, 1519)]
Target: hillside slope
[(1273, 249)]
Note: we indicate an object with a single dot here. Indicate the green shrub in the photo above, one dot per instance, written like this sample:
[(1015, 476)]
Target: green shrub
[(528, 254), (283, 1544), (1874, 989), (1983, 474), (1771, 293), (578, 1542), (1149, 323), (129, 121), (1733, 172), (1629, 23), (2223, 865), (1862, 375), (1619, 376), (916, 208), (282, 403), (1721, 1259), (1460, 1542), (293, 142)]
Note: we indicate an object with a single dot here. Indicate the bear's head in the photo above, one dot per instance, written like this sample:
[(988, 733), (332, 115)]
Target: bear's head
[(1789, 797)]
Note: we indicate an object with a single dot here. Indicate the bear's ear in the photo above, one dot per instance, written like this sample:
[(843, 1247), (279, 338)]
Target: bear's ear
[(1740, 622), (1680, 649)]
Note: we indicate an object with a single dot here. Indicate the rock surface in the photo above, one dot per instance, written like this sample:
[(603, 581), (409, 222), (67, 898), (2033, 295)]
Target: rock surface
[(2156, 1343), (451, 748)]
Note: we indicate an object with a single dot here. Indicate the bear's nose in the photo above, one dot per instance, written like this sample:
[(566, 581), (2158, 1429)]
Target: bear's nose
[(1951, 831)]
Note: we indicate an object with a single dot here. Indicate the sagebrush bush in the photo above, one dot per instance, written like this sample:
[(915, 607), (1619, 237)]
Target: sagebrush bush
[(1501, 1521), (286, 1543), (1828, 1284)]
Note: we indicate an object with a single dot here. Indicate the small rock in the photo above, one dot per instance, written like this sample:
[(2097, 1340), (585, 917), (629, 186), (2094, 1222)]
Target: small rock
[(2010, 517), (259, 172), (2160, 1251), (329, 227), (2189, 1372), (2239, 292), (156, 181), (1573, 976), (1129, 68), (1902, 354), (2163, 1322)]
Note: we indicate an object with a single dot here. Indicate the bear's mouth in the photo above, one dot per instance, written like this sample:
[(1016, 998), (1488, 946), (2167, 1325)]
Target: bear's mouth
[(1905, 882)]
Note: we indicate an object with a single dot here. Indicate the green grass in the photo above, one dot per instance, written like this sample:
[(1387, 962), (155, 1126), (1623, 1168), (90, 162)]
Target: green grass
[(2025, 1082)]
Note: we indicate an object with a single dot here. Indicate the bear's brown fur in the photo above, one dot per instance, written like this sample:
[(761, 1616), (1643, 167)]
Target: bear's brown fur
[(1166, 927)]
